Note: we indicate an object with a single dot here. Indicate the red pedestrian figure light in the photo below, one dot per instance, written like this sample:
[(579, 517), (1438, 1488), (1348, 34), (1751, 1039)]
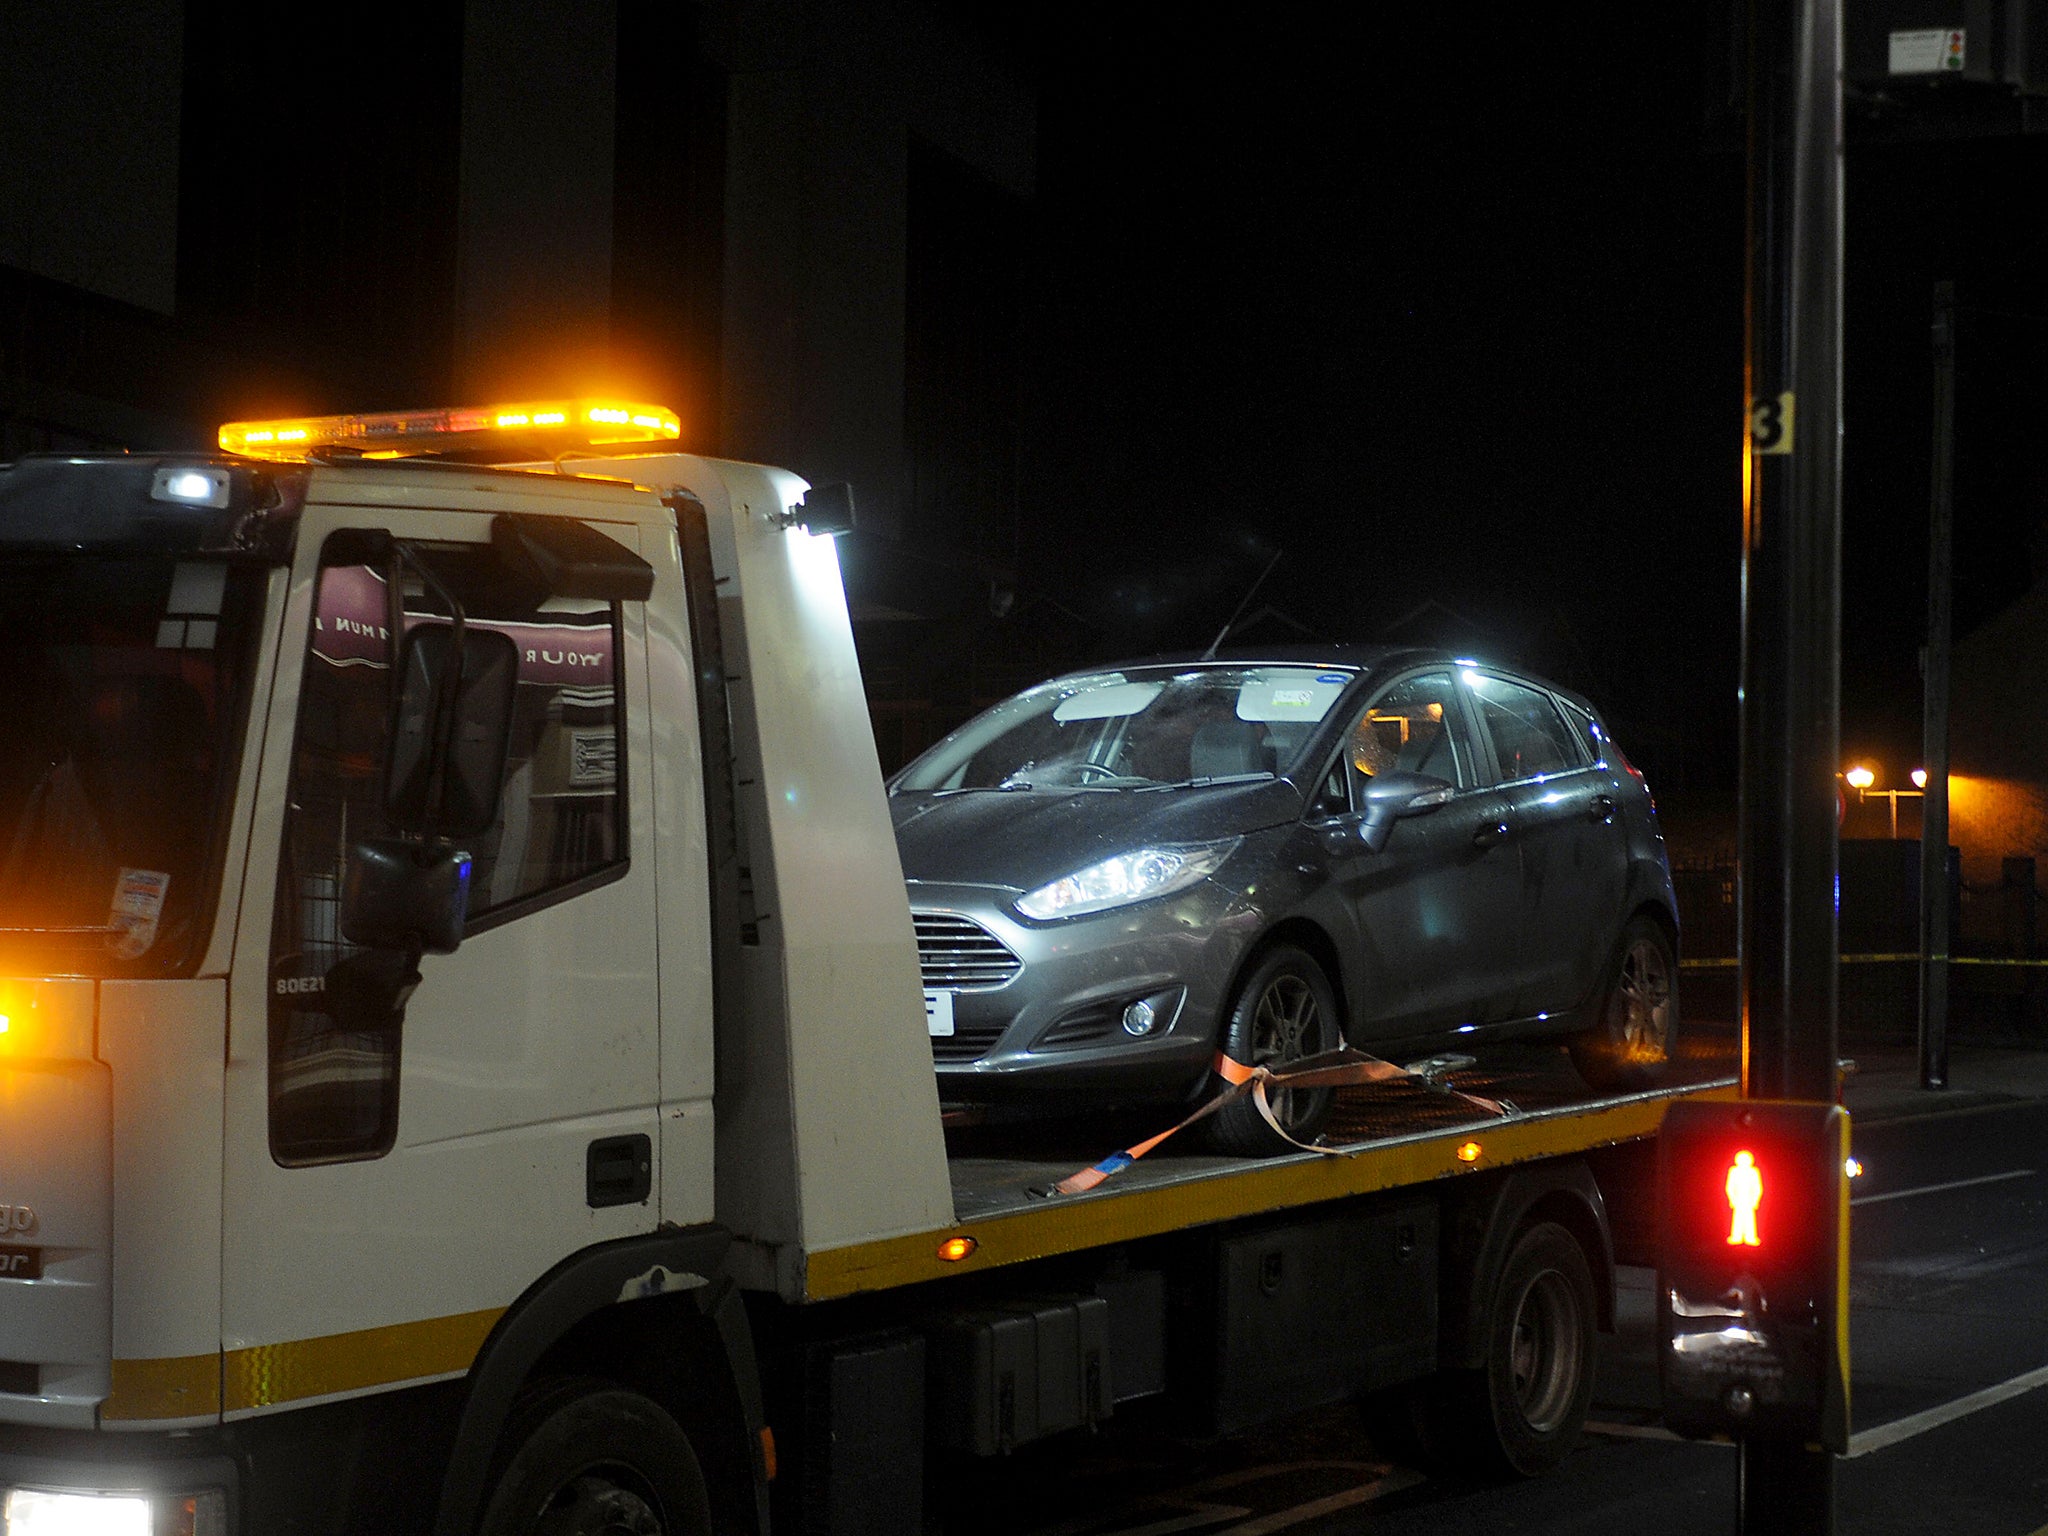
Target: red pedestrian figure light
[(1745, 1193)]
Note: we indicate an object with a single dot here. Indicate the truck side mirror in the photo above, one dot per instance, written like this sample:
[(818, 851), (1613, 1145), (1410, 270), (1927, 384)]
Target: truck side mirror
[(443, 775), (368, 991), (406, 896)]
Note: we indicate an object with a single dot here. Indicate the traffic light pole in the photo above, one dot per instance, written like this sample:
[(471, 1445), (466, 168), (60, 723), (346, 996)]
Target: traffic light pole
[(1791, 618), (1934, 915)]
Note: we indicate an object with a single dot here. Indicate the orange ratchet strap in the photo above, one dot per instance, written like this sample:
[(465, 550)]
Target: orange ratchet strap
[(1341, 1068)]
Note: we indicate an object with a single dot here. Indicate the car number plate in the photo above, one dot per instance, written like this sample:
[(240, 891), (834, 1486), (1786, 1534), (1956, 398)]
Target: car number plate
[(18, 1263), (938, 1013)]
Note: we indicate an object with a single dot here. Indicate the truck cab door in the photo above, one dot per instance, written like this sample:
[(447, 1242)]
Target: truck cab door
[(392, 1185)]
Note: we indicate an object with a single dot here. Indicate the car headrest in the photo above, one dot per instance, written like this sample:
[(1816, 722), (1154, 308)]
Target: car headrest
[(1222, 748)]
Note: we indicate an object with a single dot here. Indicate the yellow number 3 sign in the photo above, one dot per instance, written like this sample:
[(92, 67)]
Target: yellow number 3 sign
[(1770, 424)]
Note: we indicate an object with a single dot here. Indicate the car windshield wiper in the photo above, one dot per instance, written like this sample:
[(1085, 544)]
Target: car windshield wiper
[(1216, 778)]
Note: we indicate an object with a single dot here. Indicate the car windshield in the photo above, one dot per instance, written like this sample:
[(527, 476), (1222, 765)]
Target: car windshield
[(122, 682), (1136, 730)]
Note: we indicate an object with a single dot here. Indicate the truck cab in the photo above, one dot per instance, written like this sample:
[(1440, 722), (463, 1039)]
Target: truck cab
[(357, 934)]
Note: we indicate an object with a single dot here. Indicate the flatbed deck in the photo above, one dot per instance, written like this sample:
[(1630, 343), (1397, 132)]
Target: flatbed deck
[(1382, 1136)]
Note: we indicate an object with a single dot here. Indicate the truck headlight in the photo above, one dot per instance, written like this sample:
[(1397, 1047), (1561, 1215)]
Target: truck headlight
[(1136, 876), (69, 1512)]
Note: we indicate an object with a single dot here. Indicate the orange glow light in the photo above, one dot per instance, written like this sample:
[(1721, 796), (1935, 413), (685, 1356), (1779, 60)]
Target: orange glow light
[(1745, 1194), (1860, 777), (1919, 778), (1469, 1152), (954, 1249), (393, 434)]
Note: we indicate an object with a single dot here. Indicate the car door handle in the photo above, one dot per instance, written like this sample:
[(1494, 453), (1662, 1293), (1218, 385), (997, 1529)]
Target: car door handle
[(1491, 833), (1602, 808)]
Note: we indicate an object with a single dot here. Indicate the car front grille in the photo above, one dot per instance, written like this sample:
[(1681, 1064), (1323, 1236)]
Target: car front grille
[(957, 954)]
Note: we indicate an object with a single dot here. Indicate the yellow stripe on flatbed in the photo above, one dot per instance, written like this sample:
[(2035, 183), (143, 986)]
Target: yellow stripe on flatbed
[(1069, 1224)]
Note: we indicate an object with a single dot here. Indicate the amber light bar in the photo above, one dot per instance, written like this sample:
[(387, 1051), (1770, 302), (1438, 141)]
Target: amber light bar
[(393, 434)]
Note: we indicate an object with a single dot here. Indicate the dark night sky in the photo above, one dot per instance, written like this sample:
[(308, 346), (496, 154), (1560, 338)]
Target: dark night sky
[(1455, 315)]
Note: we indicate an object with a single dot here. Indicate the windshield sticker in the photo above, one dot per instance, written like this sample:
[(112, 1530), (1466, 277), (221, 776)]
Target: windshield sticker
[(1334, 677), (1287, 696), (138, 903), (1107, 703)]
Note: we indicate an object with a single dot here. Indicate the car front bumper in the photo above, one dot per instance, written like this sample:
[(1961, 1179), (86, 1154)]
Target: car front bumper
[(1039, 1008)]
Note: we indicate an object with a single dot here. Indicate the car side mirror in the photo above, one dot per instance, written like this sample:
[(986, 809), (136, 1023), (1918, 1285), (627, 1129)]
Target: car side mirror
[(405, 896), (1394, 794), (450, 731)]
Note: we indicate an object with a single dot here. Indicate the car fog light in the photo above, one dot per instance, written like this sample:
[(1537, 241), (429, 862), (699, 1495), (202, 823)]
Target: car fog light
[(1140, 1017)]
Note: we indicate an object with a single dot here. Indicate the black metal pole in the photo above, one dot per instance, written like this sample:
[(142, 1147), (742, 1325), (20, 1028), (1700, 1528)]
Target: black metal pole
[(1791, 613), (1934, 696)]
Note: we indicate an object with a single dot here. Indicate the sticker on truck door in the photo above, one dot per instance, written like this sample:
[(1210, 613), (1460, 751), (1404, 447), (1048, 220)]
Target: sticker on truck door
[(938, 1013), (138, 904)]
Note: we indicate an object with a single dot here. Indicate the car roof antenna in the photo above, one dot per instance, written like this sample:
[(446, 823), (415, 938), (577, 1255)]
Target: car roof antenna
[(1250, 592)]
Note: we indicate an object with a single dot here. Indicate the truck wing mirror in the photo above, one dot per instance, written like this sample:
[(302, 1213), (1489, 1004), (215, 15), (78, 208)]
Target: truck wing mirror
[(401, 895), (451, 730), (368, 991)]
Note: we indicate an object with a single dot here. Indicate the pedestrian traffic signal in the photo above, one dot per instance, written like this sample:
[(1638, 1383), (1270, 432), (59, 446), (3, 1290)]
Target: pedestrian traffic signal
[(1753, 1271)]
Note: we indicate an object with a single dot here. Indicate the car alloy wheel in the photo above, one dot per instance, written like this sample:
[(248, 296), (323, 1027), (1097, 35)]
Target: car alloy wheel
[(1283, 1011), (1287, 1025), (1635, 1031), (1643, 1000)]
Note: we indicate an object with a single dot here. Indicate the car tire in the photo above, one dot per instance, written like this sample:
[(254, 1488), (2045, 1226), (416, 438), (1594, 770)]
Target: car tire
[(1283, 1010), (1521, 1412), (585, 1458), (1635, 1033)]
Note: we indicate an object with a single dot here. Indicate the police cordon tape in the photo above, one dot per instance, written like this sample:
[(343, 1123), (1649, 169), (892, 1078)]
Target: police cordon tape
[(1341, 1068), (1728, 962)]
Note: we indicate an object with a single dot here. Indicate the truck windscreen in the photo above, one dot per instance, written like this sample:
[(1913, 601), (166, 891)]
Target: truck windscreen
[(123, 683)]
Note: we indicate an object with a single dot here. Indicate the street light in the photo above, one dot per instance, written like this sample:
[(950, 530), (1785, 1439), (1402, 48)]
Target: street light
[(1861, 776)]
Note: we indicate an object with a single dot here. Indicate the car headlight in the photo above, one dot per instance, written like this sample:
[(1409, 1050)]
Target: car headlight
[(1136, 876), (65, 1512)]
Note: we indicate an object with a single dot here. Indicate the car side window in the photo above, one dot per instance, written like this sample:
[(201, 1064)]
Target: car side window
[(1530, 738), (1413, 727), (1588, 730), (559, 827)]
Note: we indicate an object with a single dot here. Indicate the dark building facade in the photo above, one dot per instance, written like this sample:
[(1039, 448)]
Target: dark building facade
[(802, 227)]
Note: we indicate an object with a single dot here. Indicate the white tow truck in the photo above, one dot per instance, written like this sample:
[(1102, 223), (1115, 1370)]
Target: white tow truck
[(460, 1059)]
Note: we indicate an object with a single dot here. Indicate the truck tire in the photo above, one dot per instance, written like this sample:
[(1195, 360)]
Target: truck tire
[(1282, 1011), (1519, 1414), (586, 1458), (1636, 1030)]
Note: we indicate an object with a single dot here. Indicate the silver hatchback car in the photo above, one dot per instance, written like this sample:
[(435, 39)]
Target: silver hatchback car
[(1118, 875)]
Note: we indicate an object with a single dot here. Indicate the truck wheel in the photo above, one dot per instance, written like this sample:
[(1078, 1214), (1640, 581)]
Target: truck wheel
[(1636, 1030), (583, 1458), (1523, 1410), (1283, 1011)]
